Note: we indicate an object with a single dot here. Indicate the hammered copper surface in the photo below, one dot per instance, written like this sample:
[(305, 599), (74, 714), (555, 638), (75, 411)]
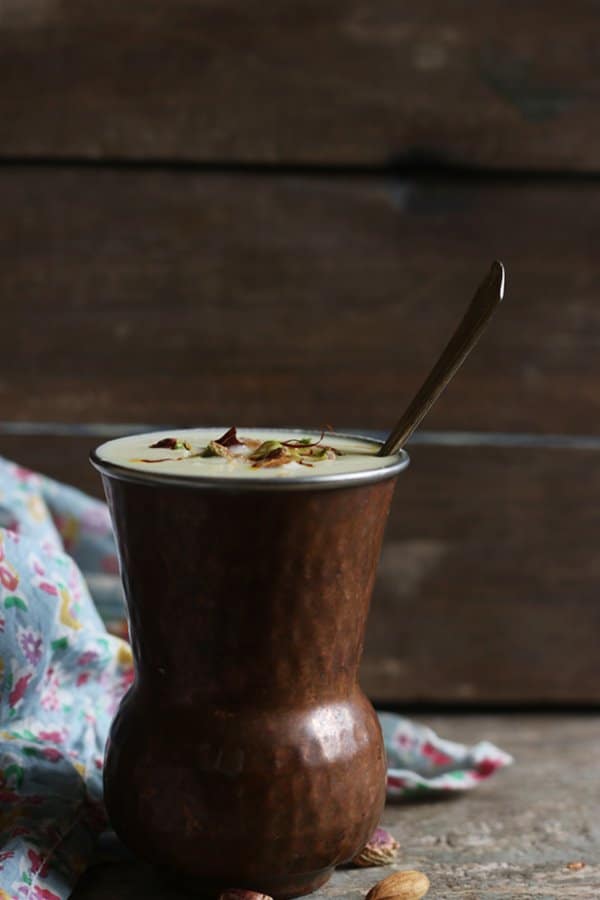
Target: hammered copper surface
[(246, 755)]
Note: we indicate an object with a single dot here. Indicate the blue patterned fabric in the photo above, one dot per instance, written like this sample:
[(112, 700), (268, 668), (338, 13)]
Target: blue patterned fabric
[(62, 676)]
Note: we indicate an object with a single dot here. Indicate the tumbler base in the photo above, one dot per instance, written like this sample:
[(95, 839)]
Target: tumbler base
[(280, 888)]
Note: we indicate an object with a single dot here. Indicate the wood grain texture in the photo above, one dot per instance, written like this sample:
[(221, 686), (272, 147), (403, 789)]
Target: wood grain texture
[(180, 297), (488, 585), (510, 839), (491, 83)]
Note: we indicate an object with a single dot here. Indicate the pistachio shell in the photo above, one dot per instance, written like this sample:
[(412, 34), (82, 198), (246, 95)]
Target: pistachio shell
[(381, 850)]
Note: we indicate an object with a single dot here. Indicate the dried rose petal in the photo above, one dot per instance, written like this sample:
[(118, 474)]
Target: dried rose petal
[(241, 894), (166, 444), (381, 850), (170, 443), (162, 459), (229, 439), (303, 442)]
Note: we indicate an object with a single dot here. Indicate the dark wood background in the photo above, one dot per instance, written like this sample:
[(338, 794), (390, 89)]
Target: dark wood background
[(274, 213)]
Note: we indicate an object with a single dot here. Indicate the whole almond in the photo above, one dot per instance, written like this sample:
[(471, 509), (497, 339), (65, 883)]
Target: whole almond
[(408, 885)]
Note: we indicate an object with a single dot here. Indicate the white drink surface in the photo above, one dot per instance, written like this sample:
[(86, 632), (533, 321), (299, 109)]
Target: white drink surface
[(135, 452)]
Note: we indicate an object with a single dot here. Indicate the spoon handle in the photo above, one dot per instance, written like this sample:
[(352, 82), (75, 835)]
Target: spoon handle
[(488, 296)]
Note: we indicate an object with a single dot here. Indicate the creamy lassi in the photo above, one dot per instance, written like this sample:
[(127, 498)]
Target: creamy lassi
[(252, 453)]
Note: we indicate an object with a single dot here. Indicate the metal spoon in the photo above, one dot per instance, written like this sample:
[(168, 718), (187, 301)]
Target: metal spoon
[(489, 294)]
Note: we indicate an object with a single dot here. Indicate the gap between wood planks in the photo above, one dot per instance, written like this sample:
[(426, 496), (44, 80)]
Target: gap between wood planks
[(519, 440), (400, 168)]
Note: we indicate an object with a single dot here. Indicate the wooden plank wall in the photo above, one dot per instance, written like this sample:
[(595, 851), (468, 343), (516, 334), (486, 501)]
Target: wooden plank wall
[(275, 212)]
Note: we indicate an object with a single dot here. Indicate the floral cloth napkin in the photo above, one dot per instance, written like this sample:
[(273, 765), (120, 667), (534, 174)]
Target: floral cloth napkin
[(62, 676)]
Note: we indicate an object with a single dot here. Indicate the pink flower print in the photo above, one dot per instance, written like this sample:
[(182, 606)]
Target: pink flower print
[(31, 645), (6, 854), (394, 781), (486, 767), (36, 565), (51, 546), (18, 692), (51, 754), (74, 579), (96, 520), (82, 679), (55, 737), (403, 740), (88, 657), (48, 587), (39, 865), (24, 475), (40, 893), (127, 679), (2, 624), (105, 679), (49, 699), (436, 756)]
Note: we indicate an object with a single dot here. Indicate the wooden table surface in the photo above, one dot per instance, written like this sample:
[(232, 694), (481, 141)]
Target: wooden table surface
[(511, 838)]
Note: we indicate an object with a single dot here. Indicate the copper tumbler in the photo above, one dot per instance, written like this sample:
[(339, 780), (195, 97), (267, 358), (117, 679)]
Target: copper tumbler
[(245, 754)]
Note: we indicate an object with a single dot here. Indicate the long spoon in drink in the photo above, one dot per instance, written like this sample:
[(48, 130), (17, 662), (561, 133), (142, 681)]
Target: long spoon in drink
[(489, 294)]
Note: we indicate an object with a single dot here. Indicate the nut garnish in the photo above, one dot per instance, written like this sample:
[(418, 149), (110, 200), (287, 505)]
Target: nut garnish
[(381, 849), (408, 885), (278, 453), (230, 438), (265, 454), (171, 443), (214, 448)]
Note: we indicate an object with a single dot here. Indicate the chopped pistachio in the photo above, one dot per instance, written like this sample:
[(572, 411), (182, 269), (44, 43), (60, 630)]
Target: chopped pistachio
[(213, 448), (266, 449)]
